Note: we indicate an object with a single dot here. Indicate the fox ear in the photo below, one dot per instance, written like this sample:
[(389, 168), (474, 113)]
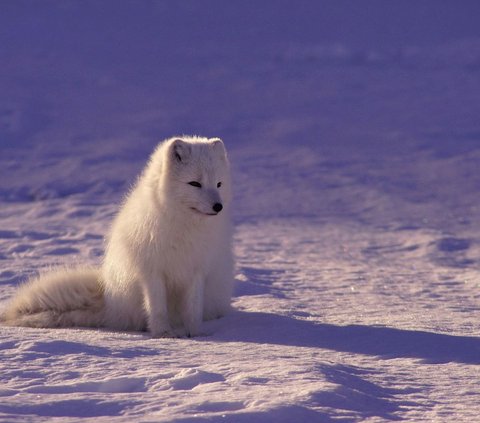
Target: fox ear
[(218, 145), (180, 150)]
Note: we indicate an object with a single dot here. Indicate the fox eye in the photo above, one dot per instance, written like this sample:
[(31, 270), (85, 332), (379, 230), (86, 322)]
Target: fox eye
[(219, 185), (195, 184)]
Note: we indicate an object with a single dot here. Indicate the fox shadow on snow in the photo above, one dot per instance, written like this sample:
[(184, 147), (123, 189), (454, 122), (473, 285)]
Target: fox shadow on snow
[(384, 342), (354, 393)]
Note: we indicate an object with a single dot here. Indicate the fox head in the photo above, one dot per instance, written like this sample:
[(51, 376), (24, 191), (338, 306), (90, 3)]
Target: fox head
[(196, 175)]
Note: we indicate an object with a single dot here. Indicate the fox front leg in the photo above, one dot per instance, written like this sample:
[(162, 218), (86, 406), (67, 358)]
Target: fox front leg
[(192, 308), (155, 298)]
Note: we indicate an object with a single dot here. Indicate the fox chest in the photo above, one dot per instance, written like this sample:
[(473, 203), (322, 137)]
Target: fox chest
[(180, 258)]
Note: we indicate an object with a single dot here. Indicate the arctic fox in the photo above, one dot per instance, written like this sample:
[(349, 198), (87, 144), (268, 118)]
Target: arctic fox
[(168, 263)]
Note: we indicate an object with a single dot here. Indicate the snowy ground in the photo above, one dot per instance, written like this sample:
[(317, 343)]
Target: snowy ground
[(354, 133)]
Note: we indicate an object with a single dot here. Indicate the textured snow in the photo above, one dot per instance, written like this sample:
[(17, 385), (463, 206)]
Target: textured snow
[(354, 134)]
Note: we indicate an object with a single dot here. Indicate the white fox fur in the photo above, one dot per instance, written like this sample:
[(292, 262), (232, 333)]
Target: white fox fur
[(168, 263)]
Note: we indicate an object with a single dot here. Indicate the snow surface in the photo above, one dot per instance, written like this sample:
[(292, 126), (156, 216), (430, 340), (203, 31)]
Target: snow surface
[(354, 133)]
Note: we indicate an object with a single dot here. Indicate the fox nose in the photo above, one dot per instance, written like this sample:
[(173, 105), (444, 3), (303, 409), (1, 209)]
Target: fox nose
[(217, 207)]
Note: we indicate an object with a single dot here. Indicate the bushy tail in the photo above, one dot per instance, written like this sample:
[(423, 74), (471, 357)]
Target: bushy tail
[(60, 298)]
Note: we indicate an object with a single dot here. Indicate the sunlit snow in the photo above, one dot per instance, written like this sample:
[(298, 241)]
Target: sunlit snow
[(354, 134)]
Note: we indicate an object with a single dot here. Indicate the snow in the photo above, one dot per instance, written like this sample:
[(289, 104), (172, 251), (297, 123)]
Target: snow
[(354, 136)]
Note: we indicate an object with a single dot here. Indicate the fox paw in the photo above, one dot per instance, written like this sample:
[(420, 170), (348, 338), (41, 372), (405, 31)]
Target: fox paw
[(162, 331), (163, 334)]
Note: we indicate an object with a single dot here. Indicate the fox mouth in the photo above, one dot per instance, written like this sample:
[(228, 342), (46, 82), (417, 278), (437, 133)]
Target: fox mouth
[(203, 213)]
